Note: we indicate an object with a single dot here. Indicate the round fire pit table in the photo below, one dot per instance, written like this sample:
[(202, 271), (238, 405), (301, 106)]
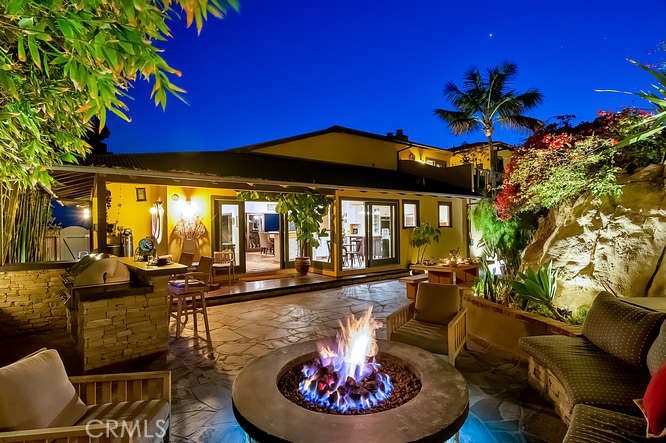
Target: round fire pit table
[(435, 414)]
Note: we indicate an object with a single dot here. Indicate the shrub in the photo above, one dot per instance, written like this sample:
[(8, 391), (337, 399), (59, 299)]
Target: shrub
[(422, 237), (559, 163), (538, 287), (503, 239)]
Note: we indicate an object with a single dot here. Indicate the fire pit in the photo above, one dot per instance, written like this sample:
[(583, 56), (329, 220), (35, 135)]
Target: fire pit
[(350, 389)]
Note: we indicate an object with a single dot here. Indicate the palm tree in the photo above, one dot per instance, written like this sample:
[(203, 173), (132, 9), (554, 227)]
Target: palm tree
[(485, 101)]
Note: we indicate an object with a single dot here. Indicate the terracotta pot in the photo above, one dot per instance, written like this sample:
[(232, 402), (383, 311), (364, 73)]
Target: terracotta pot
[(302, 265)]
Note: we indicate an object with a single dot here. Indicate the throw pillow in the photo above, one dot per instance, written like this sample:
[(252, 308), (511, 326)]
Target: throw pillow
[(621, 329), (656, 356), (653, 405), (36, 393)]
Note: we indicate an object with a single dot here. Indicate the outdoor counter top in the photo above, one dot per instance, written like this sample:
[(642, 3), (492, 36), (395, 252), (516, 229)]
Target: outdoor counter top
[(112, 291), (152, 270)]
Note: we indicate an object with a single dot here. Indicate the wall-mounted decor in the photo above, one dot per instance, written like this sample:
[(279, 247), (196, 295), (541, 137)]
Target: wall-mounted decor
[(141, 194)]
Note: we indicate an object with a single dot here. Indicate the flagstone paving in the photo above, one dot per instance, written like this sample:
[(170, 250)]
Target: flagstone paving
[(502, 406)]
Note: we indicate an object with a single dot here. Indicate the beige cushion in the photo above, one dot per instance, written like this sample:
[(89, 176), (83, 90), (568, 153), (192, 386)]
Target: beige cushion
[(656, 356), (621, 329), (432, 337), (436, 303), (152, 417), (36, 393)]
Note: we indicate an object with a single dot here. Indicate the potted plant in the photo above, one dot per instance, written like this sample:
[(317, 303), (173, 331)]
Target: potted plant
[(422, 237), (306, 211)]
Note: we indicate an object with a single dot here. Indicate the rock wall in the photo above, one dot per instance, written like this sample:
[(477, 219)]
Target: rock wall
[(619, 244), (30, 302)]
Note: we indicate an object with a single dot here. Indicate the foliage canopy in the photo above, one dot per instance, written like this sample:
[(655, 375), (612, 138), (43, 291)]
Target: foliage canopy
[(63, 62), (483, 102)]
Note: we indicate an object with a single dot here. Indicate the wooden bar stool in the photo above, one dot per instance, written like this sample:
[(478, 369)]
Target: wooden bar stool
[(187, 295)]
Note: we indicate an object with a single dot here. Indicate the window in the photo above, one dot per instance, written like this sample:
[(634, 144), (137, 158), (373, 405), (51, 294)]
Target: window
[(410, 214), (435, 163), (444, 215)]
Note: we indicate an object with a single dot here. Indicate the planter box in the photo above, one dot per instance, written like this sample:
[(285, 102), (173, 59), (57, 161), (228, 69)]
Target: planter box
[(501, 327)]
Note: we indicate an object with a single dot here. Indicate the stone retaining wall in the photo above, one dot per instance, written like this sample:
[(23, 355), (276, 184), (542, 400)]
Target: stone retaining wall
[(29, 301), (120, 329)]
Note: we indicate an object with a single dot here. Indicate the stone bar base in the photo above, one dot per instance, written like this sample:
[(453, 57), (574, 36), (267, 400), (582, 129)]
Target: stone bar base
[(120, 329)]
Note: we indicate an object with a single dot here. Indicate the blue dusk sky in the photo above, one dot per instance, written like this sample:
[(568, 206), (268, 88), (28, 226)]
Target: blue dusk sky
[(277, 69)]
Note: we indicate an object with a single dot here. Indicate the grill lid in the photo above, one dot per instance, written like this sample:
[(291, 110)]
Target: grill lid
[(98, 269)]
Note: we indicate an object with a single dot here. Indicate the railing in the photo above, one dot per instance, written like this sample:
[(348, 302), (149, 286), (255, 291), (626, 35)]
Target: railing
[(481, 179), (466, 176)]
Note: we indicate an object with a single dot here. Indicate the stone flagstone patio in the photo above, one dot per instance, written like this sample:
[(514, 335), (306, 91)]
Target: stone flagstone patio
[(502, 406)]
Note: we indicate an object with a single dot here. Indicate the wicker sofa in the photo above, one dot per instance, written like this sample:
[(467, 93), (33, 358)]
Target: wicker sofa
[(593, 378)]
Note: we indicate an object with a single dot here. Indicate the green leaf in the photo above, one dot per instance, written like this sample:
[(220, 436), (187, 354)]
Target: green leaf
[(34, 51), (27, 22), (21, 49)]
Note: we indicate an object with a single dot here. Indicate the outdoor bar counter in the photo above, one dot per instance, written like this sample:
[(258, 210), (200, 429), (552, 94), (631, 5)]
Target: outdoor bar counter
[(116, 324), (157, 276)]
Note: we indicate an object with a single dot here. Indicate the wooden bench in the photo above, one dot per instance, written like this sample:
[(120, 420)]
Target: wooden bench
[(412, 284)]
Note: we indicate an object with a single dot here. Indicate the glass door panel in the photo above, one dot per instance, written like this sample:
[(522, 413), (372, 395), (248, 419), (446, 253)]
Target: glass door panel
[(292, 243), (354, 243), (382, 239), (228, 229), (229, 237), (324, 252)]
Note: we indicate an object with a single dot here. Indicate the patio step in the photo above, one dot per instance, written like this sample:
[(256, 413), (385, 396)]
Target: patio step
[(259, 289)]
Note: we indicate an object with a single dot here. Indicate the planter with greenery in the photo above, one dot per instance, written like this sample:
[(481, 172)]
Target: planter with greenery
[(422, 237), (502, 326), (306, 211)]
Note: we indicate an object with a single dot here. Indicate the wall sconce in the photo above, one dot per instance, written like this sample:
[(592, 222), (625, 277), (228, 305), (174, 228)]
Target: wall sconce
[(156, 216), (188, 210), (85, 214)]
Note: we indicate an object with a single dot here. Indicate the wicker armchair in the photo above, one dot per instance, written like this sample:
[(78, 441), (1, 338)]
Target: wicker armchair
[(109, 399), (434, 322)]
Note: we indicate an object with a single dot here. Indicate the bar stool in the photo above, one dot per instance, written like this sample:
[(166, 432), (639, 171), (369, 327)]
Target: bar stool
[(192, 286)]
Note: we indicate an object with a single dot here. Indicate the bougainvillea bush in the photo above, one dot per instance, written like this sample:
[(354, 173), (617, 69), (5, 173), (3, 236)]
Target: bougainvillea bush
[(560, 162)]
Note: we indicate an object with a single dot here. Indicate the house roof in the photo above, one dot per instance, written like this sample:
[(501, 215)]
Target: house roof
[(248, 168), (469, 146), (403, 141)]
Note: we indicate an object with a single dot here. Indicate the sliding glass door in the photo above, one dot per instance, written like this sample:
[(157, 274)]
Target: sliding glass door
[(383, 241), (370, 234)]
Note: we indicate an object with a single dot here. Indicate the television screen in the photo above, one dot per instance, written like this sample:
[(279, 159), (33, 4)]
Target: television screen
[(271, 222)]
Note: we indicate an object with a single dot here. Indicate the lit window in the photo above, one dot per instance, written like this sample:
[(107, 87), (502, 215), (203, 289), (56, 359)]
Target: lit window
[(445, 215), (410, 214), (435, 163)]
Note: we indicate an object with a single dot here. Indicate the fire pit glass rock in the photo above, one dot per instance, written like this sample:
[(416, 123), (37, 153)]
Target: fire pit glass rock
[(345, 374)]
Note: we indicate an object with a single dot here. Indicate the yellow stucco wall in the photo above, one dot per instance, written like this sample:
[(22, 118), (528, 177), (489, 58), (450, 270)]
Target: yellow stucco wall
[(341, 148), (127, 212), (200, 199), (423, 154), (481, 155)]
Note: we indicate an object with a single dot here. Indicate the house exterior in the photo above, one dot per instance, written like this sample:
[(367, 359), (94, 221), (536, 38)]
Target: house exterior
[(381, 185)]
